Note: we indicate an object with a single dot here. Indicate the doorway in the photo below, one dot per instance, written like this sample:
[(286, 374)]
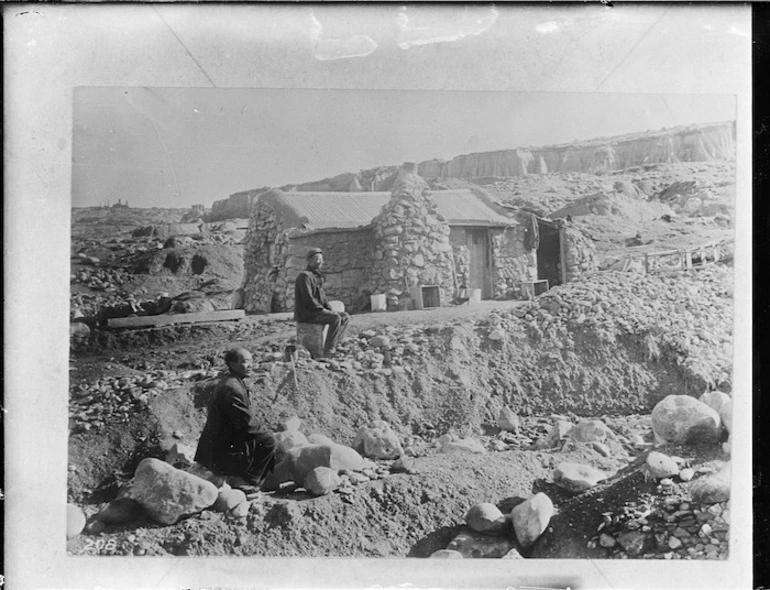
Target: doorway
[(480, 267), (549, 254)]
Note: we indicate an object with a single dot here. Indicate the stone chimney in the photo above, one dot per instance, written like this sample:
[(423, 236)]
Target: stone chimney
[(411, 240)]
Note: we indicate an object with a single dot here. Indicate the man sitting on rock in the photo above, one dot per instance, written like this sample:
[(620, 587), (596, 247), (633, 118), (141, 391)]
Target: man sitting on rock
[(233, 442), (311, 305)]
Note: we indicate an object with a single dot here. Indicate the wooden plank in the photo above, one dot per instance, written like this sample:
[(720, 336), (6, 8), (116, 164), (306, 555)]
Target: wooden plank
[(180, 318)]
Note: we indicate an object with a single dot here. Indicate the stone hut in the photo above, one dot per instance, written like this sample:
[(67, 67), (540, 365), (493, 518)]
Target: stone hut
[(408, 244)]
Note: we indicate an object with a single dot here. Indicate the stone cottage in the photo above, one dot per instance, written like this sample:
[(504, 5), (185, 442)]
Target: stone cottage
[(415, 246)]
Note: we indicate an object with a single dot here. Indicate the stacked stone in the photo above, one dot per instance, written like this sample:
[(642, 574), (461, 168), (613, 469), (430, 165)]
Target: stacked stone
[(265, 246), (411, 242), (513, 262), (580, 254)]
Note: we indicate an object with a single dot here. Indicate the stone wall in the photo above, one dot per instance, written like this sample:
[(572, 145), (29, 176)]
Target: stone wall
[(411, 241), (513, 262), (347, 263), (580, 253), (264, 258)]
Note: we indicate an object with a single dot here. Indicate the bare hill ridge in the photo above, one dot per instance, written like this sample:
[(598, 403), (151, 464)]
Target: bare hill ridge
[(693, 143)]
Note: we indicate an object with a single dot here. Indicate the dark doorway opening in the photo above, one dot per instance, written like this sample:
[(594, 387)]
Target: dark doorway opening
[(549, 253)]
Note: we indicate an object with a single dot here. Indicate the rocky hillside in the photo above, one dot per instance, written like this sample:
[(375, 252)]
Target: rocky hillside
[(695, 143)]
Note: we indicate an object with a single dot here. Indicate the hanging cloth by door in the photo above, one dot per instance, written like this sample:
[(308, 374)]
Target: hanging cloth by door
[(532, 235)]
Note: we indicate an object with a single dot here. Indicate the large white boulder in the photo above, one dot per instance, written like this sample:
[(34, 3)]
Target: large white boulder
[(712, 488), (531, 518), (577, 477), (321, 480), (228, 498), (167, 494), (181, 455), (715, 400), (76, 521), (588, 431), (485, 518), (660, 465), (289, 439), (378, 441), (300, 461), (682, 419), (726, 416), (508, 420)]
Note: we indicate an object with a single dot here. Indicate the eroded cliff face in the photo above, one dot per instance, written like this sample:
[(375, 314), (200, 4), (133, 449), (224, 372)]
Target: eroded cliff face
[(696, 143)]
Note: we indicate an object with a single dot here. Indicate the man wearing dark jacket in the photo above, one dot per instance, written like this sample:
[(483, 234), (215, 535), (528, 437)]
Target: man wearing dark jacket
[(311, 305), (233, 442)]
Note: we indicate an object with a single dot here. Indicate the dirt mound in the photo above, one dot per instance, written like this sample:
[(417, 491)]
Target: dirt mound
[(222, 261)]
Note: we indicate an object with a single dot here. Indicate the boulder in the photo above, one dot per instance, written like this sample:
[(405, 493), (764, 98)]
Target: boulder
[(199, 470), (291, 424), (180, 456), (485, 518), (463, 445), (712, 488), (660, 465), (319, 439), (76, 521), (121, 511), (378, 441), (446, 554), (560, 429), (589, 431), (321, 480), (577, 477), (726, 416), (715, 400), (168, 494), (79, 331), (471, 544), (290, 439), (682, 419), (633, 542), (508, 420), (302, 460), (531, 518), (228, 498)]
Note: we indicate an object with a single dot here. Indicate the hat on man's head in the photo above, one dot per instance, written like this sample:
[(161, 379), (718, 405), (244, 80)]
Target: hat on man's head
[(313, 251)]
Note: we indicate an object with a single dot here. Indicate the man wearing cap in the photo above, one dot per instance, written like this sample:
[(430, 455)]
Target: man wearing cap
[(233, 442), (311, 305)]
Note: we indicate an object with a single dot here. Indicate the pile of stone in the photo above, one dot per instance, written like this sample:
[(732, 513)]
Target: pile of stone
[(101, 279), (115, 399), (490, 533), (687, 312), (321, 466)]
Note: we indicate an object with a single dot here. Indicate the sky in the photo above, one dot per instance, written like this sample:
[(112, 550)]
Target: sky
[(176, 147)]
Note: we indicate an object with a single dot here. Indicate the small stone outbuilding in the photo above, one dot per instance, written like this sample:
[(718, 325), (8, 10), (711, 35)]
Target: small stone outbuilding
[(409, 244)]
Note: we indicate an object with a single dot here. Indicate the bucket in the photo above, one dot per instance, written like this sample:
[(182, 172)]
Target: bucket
[(475, 296), (379, 302)]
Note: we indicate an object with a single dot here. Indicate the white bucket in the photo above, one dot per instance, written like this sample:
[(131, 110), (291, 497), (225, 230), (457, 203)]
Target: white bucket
[(379, 302), (475, 296)]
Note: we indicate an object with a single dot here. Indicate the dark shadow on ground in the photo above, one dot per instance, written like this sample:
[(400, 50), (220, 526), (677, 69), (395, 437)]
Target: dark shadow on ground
[(434, 541)]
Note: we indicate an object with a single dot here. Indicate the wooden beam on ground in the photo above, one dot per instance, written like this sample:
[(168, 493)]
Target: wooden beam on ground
[(179, 318)]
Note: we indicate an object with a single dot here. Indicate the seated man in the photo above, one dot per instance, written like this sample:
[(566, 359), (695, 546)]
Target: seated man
[(311, 305), (232, 442)]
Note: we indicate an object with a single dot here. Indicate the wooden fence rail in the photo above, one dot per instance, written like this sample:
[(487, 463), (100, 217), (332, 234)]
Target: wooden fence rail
[(685, 259)]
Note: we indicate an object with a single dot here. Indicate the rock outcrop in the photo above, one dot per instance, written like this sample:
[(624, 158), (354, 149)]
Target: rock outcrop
[(236, 206)]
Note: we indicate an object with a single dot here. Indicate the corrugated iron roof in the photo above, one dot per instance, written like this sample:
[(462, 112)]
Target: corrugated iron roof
[(325, 210)]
